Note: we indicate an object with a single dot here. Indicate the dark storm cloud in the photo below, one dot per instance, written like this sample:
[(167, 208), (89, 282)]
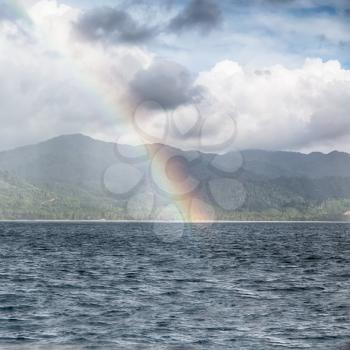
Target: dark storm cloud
[(167, 83), (203, 15), (111, 25)]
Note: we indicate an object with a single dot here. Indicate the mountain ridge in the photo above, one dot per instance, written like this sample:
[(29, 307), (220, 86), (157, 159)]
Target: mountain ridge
[(71, 167), (87, 137)]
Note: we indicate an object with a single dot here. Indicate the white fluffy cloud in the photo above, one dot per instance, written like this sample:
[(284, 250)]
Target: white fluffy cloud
[(280, 108), (54, 83), (274, 108)]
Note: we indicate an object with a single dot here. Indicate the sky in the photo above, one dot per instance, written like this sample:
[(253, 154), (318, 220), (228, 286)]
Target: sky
[(196, 74)]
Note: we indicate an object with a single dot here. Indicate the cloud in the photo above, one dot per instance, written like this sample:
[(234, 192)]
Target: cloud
[(276, 107), (303, 108), (114, 26), (39, 95), (168, 84), (203, 15), (53, 85)]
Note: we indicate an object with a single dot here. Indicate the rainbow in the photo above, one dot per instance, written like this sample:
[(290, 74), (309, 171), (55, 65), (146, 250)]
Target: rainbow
[(167, 171)]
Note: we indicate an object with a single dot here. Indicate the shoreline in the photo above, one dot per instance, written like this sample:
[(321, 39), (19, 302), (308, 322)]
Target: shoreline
[(92, 221)]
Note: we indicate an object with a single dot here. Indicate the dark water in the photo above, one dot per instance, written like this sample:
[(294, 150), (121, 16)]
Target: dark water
[(224, 286)]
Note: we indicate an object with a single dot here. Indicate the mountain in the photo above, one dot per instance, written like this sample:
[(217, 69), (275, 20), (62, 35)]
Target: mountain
[(65, 178), (74, 160), (293, 164)]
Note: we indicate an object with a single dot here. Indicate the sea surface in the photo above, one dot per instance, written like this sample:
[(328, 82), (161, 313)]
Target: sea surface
[(172, 286)]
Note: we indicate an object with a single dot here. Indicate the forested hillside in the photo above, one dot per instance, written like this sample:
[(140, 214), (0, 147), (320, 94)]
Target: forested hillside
[(62, 178)]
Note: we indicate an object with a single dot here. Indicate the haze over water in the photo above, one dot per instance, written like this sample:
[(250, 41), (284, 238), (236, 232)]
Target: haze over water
[(221, 286)]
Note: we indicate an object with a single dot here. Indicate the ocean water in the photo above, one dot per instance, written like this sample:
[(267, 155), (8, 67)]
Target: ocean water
[(168, 286)]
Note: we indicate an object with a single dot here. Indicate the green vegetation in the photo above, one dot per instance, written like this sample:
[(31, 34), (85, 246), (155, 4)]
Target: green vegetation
[(22, 200), (330, 210), (61, 180)]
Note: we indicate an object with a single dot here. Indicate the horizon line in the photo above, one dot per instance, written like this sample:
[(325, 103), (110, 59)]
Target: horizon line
[(177, 221), (176, 147)]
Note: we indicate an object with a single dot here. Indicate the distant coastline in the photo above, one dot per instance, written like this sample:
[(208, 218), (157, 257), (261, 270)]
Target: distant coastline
[(64, 179), (183, 222)]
